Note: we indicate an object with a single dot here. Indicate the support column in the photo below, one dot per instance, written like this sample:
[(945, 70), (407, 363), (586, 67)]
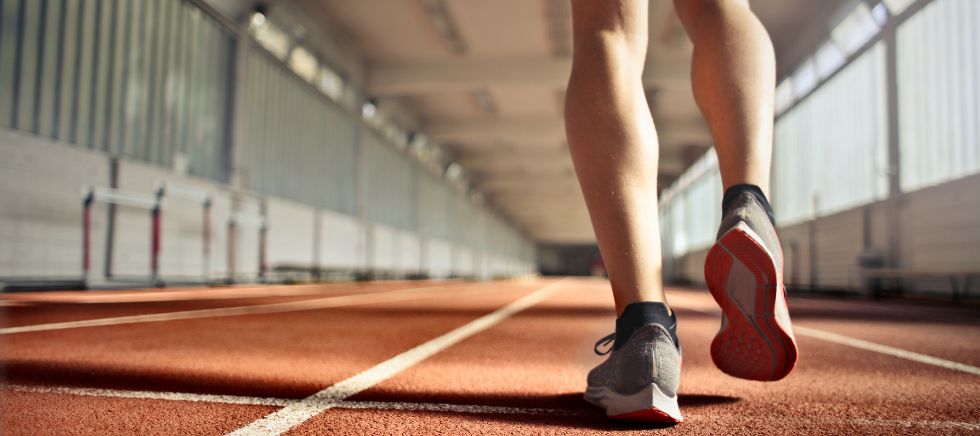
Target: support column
[(236, 166), (894, 257)]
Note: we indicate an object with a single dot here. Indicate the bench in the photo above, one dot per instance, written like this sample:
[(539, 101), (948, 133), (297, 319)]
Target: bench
[(961, 281)]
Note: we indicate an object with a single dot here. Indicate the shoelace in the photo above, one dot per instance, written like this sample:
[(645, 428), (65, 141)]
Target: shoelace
[(605, 341)]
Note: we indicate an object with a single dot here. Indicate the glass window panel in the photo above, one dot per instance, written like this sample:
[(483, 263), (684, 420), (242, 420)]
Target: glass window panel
[(47, 91), (82, 110), (8, 57), (118, 58), (828, 148), (938, 95), (70, 43), (100, 80), (27, 61)]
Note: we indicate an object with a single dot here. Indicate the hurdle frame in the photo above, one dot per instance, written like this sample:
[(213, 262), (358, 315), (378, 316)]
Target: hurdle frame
[(205, 199), (149, 202)]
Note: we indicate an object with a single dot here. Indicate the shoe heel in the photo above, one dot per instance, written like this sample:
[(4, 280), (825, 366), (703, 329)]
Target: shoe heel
[(742, 278)]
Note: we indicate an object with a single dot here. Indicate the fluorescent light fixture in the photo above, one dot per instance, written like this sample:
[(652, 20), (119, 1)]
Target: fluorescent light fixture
[(272, 38), (857, 28), (454, 171), (880, 14), (257, 20), (303, 63), (369, 110), (898, 6), (828, 59), (330, 83)]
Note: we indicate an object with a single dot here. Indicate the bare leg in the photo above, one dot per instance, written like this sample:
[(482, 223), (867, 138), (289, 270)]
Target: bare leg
[(614, 144), (733, 72), (734, 77)]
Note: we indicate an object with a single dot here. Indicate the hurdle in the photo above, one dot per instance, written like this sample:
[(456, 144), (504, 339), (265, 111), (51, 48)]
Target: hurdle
[(148, 202), (204, 198)]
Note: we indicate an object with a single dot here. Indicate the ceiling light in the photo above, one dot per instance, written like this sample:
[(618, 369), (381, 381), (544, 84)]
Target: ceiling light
[(369, 109), (258, 20)]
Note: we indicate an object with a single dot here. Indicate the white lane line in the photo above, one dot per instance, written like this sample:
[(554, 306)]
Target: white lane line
[(291, 306), (195, 294), (449, 408), (152, 395), (164, 296), (283, 402), (885, 349), (295, 414), (699, 306)]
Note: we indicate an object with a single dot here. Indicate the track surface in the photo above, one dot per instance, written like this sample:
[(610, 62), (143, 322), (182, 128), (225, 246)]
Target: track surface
[(425, 358)]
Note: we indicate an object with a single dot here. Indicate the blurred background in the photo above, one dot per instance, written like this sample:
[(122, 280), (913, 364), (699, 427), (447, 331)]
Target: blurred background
[(164, 142)]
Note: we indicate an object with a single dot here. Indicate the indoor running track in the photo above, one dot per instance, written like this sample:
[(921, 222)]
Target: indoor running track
[(452, 357)]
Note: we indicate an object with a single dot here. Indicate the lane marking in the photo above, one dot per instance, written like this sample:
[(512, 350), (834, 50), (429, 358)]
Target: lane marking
[(446, 407), (283, 402), (152, 395), (290, 306), (710, 309), (195, 294), (885, 349), (182, 295), (299, 412)]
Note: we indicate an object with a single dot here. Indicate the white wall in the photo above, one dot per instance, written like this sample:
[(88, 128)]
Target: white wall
[(291, 226), (382, 247), (343, 243), (439, 258), (408, 249), (41, 206)]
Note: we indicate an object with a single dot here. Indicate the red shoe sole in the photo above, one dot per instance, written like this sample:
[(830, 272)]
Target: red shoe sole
[(651, 415), (743, 280)]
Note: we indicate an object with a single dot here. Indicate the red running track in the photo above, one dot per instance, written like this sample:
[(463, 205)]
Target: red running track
[(453, 358)]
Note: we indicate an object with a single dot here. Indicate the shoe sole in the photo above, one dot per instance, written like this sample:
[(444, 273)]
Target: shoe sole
[(742, 277), (650, 405)]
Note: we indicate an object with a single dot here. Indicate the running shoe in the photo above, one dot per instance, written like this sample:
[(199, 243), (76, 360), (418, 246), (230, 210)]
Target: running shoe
[(639, 380), (744, 271)]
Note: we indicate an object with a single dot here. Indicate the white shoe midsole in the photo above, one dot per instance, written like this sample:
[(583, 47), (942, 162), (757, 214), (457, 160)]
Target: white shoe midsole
[(618, 404)]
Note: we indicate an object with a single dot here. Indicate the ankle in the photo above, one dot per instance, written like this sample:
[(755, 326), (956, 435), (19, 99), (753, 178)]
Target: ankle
[(642, 313), (735, 191)]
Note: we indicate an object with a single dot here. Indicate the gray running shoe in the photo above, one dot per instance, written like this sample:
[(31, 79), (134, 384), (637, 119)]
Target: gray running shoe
[(744, 271), (639, 380)]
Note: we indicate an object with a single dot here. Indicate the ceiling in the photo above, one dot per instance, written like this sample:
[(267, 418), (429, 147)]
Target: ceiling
[(485, 79)]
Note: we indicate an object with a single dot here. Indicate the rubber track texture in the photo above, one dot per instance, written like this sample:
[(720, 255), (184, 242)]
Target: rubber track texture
[(752, 344)]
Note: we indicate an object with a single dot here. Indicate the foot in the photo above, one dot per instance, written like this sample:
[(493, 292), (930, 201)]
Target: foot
[(639, 380), (744, 271)]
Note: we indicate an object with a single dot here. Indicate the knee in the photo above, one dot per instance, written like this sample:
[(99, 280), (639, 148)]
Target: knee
[(616, 43), (603, 29), (692, 11)]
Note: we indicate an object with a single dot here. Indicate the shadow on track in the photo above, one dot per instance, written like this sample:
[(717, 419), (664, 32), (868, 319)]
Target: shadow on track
[(575, 412)]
